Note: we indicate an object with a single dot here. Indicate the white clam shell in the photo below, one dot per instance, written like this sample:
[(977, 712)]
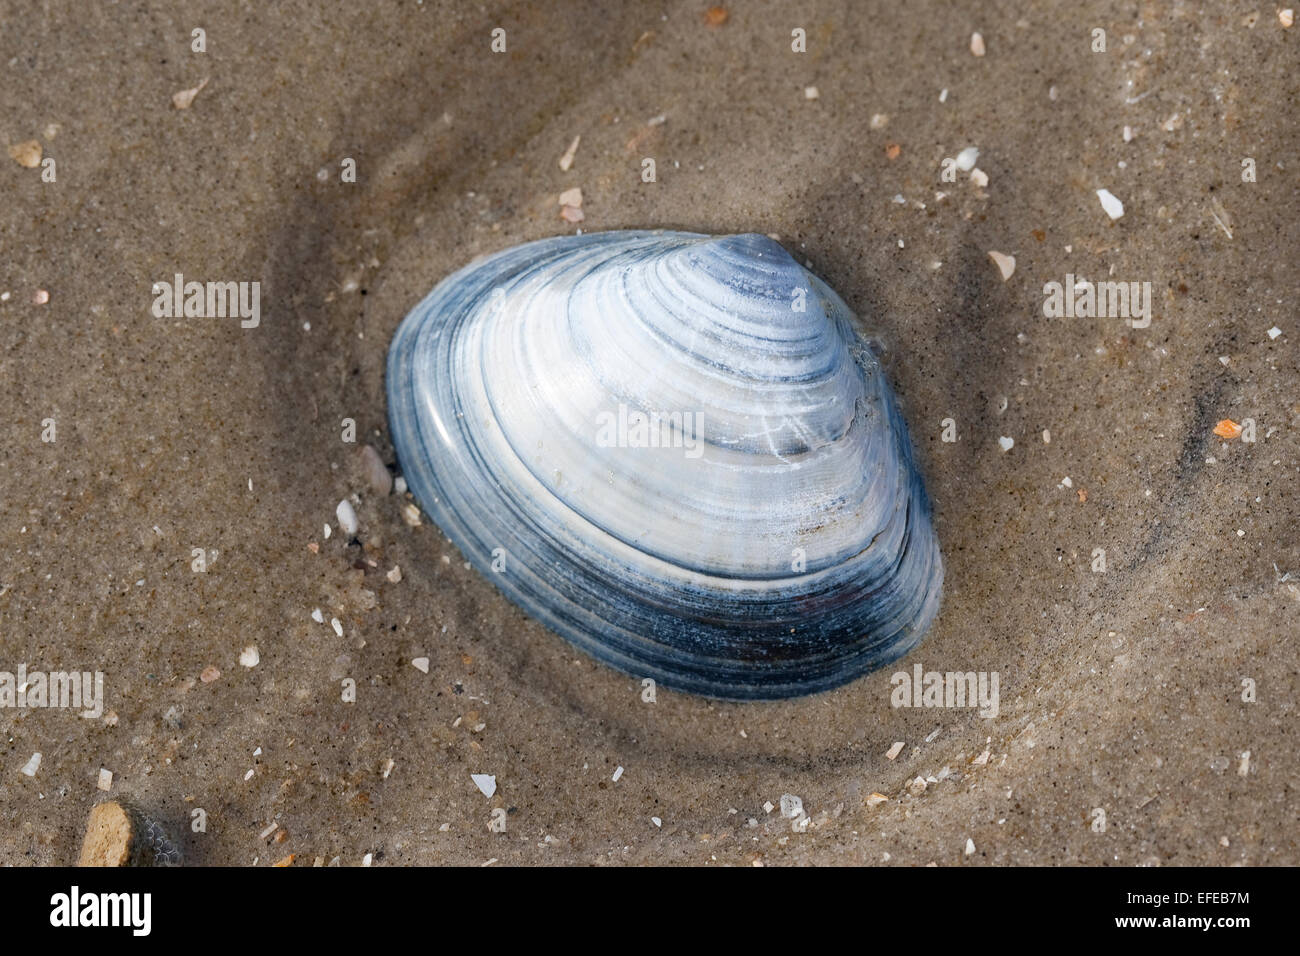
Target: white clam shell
[(676, 452)]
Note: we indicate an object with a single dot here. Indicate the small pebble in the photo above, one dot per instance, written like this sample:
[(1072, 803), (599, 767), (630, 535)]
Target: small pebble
[(966, 159), (105, 781), (421, 664), (249, 657), (209, 674), (40, 297), (395, 575), (1006, 443), (377, 475), (1274, 332), (32, 765), (895, 750), (977, 44), (487, 783), (338, 628), (810, 93), (791, 806)]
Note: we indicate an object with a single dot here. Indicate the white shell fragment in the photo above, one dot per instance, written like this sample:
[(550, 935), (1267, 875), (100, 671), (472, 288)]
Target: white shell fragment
[(486, 782), (1114, 208), (566, 161), (347, 517), (1006, 264)]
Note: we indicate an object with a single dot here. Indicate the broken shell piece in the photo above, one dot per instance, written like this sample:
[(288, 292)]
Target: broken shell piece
[(1227, 429), (182, 99), (566, 161), (1006, 264), (1114, 208), (119, 833), (27, 153)]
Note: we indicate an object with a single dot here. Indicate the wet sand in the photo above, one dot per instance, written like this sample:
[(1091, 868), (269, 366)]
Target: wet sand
[(1120, 691)]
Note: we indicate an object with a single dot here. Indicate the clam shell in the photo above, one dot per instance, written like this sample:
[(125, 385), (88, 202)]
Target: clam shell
[(676, 452)]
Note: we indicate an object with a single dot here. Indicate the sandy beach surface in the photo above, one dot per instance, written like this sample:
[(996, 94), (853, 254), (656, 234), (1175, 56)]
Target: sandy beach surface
[(1147, 709)]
